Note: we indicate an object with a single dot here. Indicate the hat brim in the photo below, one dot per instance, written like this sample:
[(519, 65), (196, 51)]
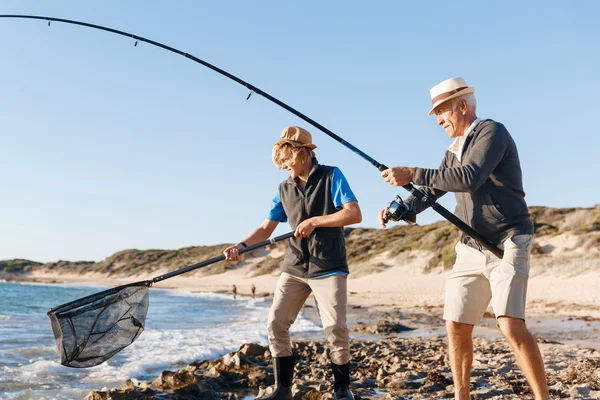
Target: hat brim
[(296, 144), (468, 90)]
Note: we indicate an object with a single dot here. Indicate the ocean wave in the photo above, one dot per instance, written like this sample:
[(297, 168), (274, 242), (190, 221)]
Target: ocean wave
[(159, 349), (204, 295), (178, 332)]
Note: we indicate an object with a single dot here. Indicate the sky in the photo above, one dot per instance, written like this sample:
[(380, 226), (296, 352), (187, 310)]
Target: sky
[(108, 146)]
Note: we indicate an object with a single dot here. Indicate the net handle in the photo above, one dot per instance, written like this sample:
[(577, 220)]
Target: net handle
[(104, 293), (221, 257)]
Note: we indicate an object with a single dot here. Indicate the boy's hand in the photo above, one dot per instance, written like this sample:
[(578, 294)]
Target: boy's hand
[(231, 253), (305, 228)]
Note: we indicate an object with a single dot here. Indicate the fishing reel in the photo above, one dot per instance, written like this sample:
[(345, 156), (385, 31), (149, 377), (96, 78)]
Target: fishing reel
[(398, 210)]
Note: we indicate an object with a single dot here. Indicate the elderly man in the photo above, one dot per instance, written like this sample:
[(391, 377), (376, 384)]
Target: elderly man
[(482, 167)]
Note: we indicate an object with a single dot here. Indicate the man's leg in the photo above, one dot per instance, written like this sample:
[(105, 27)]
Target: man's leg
[(527, 353), (467, 296), (509, 292), (460, 350)]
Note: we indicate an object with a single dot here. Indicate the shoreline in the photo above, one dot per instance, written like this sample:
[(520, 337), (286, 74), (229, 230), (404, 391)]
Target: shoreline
[(398, 288), (390, 362), (555, 321)]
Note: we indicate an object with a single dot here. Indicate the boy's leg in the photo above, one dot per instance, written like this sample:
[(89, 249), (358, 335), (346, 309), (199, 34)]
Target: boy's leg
[(332, 298), (290, 294)]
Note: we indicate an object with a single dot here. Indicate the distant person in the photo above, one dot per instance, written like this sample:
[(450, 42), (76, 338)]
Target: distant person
[(234, 291), (318, 202), (482, 167), (253, 291)]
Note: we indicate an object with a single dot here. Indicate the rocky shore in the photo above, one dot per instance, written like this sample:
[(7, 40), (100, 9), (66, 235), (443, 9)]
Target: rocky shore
[(385, 367)]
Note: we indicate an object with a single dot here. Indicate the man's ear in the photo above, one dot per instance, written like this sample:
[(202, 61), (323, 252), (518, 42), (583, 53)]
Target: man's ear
[(464, 106)]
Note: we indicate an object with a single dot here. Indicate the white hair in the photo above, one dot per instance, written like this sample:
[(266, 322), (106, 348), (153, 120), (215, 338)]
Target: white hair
[(469, 98)]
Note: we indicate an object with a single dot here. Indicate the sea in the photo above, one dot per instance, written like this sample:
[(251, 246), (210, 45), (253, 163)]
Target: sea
[(181, 327)]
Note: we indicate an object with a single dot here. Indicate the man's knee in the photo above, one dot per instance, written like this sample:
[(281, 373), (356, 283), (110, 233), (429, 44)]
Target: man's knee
[(513, 329), (459, 330)]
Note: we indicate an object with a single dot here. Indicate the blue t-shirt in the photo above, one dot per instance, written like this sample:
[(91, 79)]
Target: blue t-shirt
[(340, 193)]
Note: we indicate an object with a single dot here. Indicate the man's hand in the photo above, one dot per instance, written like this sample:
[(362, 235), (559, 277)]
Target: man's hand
[(409, 216), (305, 228), (381, 214), (398, 176)]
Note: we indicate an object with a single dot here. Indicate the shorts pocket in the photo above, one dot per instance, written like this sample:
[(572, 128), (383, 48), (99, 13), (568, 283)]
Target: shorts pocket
[(521, 240), (517, 251)]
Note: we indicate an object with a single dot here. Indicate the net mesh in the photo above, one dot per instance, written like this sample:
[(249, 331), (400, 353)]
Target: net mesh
[(92, 329)]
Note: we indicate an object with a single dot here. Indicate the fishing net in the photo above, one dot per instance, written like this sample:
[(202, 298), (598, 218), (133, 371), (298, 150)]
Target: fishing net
[(92, 329)]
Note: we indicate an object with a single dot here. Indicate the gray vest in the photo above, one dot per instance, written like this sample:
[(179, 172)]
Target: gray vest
[(323, 251)]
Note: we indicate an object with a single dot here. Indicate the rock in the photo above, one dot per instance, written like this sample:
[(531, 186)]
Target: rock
[(578, 391), (146, 394), (231, 359), (169, 380), (213, 373), (256, 377), (128, 385), (253, 350), (199, 391), (266, 391), (414, 368), (382, 327)]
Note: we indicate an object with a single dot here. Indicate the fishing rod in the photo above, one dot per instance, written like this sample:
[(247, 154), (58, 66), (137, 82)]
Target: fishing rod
[(253, 89)]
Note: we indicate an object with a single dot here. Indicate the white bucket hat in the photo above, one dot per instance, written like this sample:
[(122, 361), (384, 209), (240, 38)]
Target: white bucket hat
[(448, 90)]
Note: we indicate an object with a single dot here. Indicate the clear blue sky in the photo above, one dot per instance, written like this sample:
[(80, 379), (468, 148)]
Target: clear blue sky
[(106, 146)]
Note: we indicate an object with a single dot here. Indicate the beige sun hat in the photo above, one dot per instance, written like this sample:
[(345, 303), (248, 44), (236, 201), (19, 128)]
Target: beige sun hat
[(297, 137), (448, 90)]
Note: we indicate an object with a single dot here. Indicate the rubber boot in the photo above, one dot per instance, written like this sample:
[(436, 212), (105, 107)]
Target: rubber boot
[(341, 382), (283, 368)]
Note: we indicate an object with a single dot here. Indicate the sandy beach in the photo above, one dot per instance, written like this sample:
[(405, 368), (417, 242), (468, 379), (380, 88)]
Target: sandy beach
[(563, 284), (391, 362)]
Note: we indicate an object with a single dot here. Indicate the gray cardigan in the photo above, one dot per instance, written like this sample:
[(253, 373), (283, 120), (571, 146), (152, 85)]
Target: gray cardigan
[(487, 183)]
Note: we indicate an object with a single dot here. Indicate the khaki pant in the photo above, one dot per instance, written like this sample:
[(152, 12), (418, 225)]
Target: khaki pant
[(480, 277), (331, 297)]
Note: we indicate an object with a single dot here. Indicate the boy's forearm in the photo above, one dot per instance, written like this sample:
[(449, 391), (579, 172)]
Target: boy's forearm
[(341, 218), (261, 233)]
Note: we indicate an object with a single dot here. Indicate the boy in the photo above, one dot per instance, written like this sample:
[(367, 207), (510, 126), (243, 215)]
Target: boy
[(318, 202)]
